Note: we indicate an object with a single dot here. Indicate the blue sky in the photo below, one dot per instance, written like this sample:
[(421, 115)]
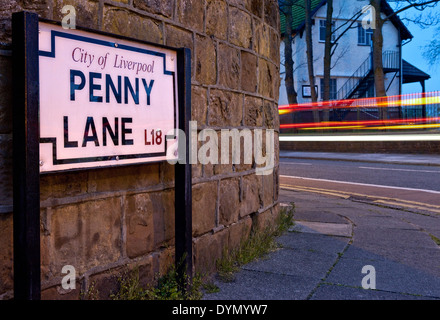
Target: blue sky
[(412, 52)]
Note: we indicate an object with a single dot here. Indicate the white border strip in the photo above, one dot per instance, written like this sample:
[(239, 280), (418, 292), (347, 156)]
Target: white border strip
[(382, 137), (362, 184)]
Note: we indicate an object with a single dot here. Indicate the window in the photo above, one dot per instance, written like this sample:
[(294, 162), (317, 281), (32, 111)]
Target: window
[(322, 31), (333, 89), (365, 36)]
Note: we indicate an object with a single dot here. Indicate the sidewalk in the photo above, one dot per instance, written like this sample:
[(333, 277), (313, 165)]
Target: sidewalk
[(411, 159), (322, 257)]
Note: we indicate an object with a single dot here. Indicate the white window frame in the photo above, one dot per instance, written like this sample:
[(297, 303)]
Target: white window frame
[(365, 36), (322, 25)]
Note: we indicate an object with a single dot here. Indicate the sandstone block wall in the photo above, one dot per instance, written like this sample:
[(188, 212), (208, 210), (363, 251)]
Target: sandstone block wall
[(103, 221)]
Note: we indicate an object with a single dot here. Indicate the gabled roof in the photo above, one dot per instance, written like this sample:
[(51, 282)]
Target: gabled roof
[(411, 73), (299, 14), (298, 17)]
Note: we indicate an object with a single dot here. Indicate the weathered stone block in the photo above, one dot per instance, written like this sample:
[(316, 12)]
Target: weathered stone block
[(199, 101), (274, 47), (253, 111), (225, 109), (217, 18), (145, 269), (39, 6), (104, 284), (140, 225), (84, 235), (276, 183), (87, 12), (177, 37), (58, 293), (167, 172), (163, 260), (161, 7), (271, 13), (246, 152), (208, 249), (262, 39), (204, 202), (6, 175), (5, 94), (229, 206), (255, 7), (237, 3), (251, 194), (61, 185), (239, 232), (225, 160), (240, 30), (270, 117), (267, 189), (267, 80), (228, 66), (249, 68), (180, 38), (132, 25), (6, 253), (186, 14), (263, 220), (6, 10), (123, 178), (206, 65), (163, 216)]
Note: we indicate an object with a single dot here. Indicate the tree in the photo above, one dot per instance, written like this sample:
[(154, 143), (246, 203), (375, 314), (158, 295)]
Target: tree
[(379, 78), (432, 50), (286, 10), (309, 44), (327, 55)]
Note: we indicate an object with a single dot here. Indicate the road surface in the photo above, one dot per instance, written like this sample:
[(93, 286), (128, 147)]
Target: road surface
[(410, 186)]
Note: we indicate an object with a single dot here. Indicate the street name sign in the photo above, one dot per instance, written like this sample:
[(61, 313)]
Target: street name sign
[(104, 101)]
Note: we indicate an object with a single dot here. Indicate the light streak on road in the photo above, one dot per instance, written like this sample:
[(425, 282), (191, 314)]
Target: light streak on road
[(351, 109), (376, 137)]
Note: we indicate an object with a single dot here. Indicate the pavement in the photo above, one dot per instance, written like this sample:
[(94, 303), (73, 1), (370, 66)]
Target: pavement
[(345, 249)]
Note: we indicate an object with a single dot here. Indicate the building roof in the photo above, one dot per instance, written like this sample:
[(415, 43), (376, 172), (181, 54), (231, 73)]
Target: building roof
[(298, 17), (412, 74)]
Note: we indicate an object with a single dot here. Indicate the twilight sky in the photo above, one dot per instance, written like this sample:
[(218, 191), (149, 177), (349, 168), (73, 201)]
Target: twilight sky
[(412, 52)]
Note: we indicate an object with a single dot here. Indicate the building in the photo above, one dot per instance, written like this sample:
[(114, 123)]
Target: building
[(351, 73)]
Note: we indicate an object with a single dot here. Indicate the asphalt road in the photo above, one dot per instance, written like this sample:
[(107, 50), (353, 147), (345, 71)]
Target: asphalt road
[(395, 175), (414, 184)]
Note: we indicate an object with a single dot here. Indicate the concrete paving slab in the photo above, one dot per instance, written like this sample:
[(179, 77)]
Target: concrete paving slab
[(307, 263), (256, 285), (317, 242), (385, 221), (390, 276), (332, 229), (336, 292), (392, 238), (303, 214), (423, 259)]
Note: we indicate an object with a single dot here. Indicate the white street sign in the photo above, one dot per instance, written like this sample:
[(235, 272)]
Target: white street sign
[(104, 101)]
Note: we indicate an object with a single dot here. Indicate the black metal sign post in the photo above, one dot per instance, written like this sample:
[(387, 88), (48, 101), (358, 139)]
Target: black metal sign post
[(27, 283), (183, 179)]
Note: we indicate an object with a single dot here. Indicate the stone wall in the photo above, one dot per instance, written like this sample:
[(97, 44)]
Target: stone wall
[(106, 220)]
